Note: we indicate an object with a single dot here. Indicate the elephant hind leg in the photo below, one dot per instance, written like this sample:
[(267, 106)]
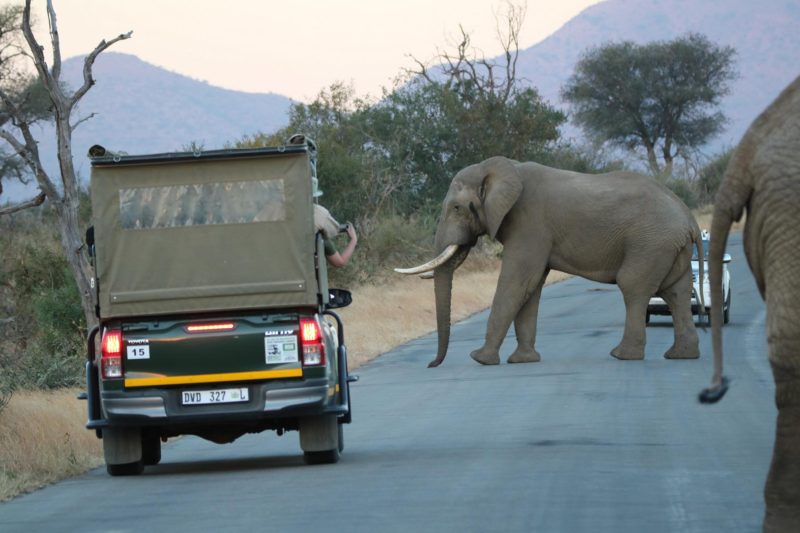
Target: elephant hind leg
[(782, 490), (686, 344), (637, 282)]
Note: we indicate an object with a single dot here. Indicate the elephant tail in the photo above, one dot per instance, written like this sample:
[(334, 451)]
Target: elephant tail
[(701, 280), (720, 228)]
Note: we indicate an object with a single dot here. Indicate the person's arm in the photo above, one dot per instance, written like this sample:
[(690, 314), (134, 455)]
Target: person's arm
[(341, 259)]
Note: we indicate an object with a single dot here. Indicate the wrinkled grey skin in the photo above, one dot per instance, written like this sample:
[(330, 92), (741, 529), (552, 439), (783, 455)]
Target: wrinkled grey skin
[(763, 177), (619, 227)]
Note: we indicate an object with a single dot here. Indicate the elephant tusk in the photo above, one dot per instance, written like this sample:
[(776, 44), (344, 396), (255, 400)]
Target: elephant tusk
[(430, 265)]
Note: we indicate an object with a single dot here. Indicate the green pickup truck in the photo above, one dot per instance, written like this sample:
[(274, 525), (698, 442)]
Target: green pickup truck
[(214, 309)]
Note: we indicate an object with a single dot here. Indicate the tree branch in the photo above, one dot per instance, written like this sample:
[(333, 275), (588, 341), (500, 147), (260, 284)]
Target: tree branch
[(88, 81), (38, 200), (81, 121), (37, 50), (51, 19)]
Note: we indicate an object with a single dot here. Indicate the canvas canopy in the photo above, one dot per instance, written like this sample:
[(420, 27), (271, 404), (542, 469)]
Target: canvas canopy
[(224, 230)]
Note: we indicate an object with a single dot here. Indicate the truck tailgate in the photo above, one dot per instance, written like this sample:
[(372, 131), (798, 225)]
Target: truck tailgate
[(240, 348)]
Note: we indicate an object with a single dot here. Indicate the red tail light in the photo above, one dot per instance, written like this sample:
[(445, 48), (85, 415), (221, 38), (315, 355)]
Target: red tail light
[(111, 354), (311, 341), (210, 327)]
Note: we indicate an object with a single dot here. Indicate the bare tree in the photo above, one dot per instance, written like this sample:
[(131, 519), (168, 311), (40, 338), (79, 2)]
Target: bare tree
[(468, 68), (16, 131)]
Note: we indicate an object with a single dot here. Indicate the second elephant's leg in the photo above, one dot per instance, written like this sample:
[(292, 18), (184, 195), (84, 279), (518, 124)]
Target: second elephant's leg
[(525, 327), (782, 490), (686, 344), (635, 282)]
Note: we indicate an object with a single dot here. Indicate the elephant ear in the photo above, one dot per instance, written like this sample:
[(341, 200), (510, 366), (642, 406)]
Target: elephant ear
[(500, 190)]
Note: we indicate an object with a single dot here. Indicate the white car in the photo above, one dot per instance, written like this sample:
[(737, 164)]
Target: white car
[(658, 306)]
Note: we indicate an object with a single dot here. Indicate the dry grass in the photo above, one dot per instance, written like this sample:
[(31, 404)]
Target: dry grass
[(704, 214), (42, 439)]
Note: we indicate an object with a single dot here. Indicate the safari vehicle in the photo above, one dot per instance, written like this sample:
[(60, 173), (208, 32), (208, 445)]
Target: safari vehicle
[(212, 298), (657, 306)]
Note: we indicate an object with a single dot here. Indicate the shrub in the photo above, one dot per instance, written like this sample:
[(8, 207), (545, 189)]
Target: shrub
[(711, 176), (683, 190), (42, 337)]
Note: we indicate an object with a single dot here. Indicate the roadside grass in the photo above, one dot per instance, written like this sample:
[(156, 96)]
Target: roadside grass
[(42, 440)]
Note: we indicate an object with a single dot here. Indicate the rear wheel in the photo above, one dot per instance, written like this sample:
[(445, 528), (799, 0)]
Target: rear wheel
[(319, 439), (647, 318), (122, 449)]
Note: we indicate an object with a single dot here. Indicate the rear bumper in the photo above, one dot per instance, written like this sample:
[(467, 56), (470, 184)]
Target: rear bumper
[(272, 400)]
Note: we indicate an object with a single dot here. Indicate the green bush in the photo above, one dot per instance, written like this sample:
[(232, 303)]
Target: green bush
[(683, 190), (43, 346), (711, 176), (386, 242)]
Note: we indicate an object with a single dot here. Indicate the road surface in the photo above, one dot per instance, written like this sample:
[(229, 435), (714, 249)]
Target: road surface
[(580, 442)]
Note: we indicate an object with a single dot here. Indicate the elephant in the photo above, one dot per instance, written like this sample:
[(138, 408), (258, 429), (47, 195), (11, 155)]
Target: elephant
[(763, 178), (621, 228)]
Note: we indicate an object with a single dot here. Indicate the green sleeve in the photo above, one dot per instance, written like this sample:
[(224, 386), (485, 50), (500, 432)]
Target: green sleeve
[(330, 249)]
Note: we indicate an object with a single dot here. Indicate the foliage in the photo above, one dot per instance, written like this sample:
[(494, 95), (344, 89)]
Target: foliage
[(660, 97), (683, 189), (43, 346), (710, 176)]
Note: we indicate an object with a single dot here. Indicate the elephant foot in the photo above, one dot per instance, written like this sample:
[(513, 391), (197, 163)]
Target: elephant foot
[(486, 357), (524, 355), (625, 353), (682, 352)]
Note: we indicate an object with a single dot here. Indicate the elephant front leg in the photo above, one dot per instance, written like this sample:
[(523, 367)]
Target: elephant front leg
[(525, 327), (518, 279), (782, 490)]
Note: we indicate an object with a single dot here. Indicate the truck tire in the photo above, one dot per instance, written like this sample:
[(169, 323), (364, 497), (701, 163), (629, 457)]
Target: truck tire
[(122, 449), (319, 439)]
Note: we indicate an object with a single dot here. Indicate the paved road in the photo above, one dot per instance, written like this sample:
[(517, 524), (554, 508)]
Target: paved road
[(580, 442)]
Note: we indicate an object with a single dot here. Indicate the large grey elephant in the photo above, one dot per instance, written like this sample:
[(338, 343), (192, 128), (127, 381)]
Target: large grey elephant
[(619, 227), (763, 177)]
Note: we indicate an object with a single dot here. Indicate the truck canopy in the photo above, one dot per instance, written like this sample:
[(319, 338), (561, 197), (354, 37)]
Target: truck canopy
[(212, 231)]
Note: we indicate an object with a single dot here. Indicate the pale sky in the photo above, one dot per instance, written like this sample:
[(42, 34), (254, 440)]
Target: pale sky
[(294, 48)]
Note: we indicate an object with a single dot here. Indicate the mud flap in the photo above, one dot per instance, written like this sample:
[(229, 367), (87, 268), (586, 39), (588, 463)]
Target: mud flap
[(122, 445), (319, 433)]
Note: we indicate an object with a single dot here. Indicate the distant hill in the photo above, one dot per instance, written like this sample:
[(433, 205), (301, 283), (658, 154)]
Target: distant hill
[(765, 33), (143, 108)]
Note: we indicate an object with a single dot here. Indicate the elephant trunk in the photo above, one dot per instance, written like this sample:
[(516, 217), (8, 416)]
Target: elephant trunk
[(443, 290), (720, 227)]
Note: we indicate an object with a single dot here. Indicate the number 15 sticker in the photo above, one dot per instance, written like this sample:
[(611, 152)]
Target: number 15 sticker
[(139, 352)]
